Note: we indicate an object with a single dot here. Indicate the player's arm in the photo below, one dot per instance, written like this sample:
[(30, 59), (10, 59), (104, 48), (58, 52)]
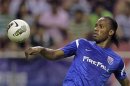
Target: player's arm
[(54, 54), (51, 54), (124, 82), (121, 76)]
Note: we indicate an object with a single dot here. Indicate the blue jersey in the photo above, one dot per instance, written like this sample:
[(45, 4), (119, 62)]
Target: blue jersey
[(92, 65)]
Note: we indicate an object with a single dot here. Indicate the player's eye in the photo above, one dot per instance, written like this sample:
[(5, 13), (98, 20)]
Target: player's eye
[(101, 26)]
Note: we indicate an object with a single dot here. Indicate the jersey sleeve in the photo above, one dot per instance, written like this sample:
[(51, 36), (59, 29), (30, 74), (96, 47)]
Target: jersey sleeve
[(120, 72), (70, 49)]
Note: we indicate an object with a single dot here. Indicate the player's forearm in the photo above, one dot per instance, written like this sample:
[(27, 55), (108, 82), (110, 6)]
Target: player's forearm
[(51, 54), (48, 53), (125, 82)]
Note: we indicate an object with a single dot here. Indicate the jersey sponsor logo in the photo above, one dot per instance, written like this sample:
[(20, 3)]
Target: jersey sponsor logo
[(96, 63), (110, 60)]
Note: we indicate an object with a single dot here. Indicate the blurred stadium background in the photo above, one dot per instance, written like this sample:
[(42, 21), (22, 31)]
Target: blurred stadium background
[(53, 24)]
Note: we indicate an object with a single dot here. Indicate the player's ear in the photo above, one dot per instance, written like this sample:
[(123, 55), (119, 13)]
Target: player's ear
[(111, 32)]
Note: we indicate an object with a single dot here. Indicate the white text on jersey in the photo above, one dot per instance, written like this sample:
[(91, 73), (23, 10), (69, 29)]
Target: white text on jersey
[(96, 63)]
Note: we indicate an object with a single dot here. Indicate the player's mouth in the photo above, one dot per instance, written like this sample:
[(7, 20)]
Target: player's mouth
[(95, 34)]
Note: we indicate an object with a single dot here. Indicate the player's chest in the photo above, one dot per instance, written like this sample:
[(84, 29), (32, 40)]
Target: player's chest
[(97, 59)]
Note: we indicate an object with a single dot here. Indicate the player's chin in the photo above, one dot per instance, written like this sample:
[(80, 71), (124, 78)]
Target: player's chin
[(97, 41), (95, 38)]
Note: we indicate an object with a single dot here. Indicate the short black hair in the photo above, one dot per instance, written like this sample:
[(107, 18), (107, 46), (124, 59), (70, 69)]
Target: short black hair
[(113, 26), (113, 23)]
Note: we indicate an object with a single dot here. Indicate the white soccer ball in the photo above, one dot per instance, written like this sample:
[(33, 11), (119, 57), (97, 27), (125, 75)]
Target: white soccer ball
[(18, 30)]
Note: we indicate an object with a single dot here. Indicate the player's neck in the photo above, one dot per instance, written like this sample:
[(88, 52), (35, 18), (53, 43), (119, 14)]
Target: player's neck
[(105, 44)]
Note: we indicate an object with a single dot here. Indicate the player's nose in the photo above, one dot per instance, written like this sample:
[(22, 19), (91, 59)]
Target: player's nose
[(96, 30)]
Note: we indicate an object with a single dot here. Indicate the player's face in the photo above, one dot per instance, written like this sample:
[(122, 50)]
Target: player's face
[(101, 30)]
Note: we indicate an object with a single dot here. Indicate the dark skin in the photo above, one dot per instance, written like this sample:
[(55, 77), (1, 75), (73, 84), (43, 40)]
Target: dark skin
[(102, 35)]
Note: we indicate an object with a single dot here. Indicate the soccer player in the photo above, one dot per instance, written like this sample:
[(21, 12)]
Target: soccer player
[(94, 61)]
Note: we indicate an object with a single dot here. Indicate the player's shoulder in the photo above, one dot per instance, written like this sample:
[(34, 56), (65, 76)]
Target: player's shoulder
[(116, 56)]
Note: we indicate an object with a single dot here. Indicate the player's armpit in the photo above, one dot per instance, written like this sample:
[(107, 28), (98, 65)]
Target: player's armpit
[(124, 82)]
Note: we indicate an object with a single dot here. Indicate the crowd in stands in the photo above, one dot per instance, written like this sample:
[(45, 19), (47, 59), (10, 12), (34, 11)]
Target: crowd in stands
[(54, 23)]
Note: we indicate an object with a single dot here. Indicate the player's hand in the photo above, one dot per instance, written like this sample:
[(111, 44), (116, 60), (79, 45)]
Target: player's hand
[(32, 51)]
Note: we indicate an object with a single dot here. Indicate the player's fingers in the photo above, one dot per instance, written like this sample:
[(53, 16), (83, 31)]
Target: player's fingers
[(26, 55), (27, 52), (32, 51)]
